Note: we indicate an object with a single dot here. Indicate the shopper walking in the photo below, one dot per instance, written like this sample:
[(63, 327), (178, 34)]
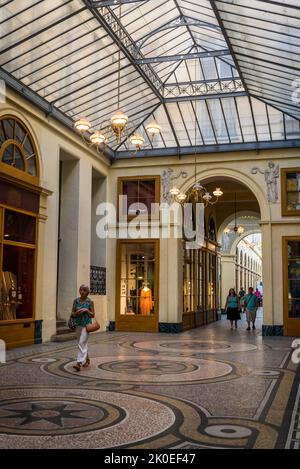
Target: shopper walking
[(251, 303), (83, 311), (258, 295), (232, 308), (242, 293)]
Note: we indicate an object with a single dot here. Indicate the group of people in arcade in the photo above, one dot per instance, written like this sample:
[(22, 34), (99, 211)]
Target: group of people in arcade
[(243, 303)]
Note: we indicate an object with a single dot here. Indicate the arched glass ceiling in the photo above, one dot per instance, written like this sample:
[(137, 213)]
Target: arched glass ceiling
[(265, 39), (216, 75)]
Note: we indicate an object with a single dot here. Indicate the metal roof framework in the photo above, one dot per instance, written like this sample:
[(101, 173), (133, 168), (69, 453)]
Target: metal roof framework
[(216, 75)]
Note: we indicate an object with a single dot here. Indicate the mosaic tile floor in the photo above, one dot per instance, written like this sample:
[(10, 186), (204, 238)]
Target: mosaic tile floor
[(206, 388)]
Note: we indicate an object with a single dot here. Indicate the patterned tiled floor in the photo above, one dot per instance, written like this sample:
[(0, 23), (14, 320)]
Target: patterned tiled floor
[(206, 388)]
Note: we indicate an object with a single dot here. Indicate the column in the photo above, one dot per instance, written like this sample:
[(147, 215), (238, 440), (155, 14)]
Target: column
[(99, 246), (84, 222), (46, 274), (228, 276), (267, 270), (171, 285), (74, 233)]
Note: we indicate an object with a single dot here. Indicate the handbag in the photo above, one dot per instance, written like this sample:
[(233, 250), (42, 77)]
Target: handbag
[(93, 327), (72, 323)]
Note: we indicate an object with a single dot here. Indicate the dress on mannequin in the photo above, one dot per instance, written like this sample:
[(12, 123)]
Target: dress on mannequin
[(146, 301)]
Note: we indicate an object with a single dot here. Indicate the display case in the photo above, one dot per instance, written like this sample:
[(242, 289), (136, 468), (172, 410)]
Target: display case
[(199, 285), (19, 209), (291, 283), (17, 276), (137, 286)]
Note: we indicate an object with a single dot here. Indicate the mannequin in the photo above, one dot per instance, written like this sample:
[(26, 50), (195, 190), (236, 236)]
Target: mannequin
[(145, 301)]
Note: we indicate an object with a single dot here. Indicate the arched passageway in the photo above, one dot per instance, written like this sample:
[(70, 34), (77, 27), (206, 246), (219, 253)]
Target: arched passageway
[(232, 256)]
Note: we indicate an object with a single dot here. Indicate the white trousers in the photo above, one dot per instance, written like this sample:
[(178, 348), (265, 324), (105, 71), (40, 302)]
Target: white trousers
[(82, 337)]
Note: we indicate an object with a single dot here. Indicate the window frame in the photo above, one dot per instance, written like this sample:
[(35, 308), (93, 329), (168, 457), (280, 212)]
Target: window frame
[(33, 247), (11, 171), (291, 325), (121, 180), (284, 191), (137, 322)]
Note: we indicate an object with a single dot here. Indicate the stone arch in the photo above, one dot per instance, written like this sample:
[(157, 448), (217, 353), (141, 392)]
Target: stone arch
[(238, 176), (240, 238), (231, 217)]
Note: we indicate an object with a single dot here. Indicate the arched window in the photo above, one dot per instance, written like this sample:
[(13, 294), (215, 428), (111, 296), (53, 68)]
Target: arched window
[(17, 148)]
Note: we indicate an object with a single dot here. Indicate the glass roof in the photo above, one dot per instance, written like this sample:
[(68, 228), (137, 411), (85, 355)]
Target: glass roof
[(265, 39), (213, 74)]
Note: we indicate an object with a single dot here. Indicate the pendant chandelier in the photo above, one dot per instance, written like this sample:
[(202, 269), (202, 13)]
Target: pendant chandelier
[(238, 229), (118, 120), (198, 193)]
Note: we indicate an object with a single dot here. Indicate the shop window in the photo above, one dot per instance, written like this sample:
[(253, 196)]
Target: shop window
[(17, 272), (17, 148), (195, 281), (18, 198), (294, 279), (138, 295), (188, 282), (141, 193), (290, 179), (17, 283), (19, 227)]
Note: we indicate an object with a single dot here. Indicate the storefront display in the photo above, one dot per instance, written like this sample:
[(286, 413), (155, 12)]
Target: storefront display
[(17, 270), (19, 207), (199, 286), (138, 300), (292, 286), (145, 301)]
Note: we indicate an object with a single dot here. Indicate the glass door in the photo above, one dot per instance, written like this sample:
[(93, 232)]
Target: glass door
[(292, 286), (137, 288)]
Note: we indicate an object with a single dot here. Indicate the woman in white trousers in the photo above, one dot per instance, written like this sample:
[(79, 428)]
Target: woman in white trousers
[(83, 311)]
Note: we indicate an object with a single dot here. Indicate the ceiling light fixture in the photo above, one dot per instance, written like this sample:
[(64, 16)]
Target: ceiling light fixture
[(238, 229), (118, 121), (198, 193)]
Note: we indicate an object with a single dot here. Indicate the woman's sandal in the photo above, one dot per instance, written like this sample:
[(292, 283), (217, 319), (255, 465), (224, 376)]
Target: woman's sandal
[(77, 367), (86, 363)]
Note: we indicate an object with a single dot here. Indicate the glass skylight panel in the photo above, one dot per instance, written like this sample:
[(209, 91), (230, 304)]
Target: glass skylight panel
[(177, 120), (292, 127), (217, 117), (58, 38), (34, 19), (276, 123), (265, 37), (246, 119), (261, 120), (189, 111), (205, 123), (232, 119), (166, 131)]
